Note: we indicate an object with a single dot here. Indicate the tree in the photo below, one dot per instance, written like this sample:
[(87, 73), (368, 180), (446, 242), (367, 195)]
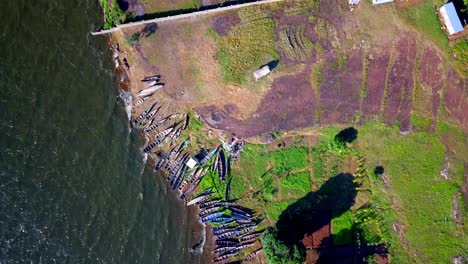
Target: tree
[(277, 252)]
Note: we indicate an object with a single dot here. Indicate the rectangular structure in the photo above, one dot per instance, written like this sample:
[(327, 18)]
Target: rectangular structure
[(377, 2), (450, 19)]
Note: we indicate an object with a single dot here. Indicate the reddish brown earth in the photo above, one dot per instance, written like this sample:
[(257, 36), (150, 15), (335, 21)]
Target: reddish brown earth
[(456, 97), (431, 76), (291, 102), (288, 105), (375, 84), (400, 83), (223, 24), (321, 237), (340, 90)]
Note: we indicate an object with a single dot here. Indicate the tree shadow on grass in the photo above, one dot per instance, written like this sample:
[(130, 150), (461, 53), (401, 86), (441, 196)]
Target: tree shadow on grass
[(313, 211)]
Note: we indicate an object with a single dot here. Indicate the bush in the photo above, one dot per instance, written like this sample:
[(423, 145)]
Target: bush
[(459, 53), (114, 15), (277, 252)]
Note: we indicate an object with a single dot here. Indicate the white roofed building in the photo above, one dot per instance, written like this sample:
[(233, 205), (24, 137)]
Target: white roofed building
[(450, 19), (262, 72)]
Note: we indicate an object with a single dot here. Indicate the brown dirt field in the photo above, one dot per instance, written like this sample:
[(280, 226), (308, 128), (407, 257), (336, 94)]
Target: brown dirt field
[(223, 24), (375, 84), (400, 83), (340, 90), (321, 238), (431, 77), (456, 97), (184, 55), (406, 3), (289, 104)]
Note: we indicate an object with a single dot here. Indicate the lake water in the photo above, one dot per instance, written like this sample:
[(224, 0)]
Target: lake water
[(73, 185)]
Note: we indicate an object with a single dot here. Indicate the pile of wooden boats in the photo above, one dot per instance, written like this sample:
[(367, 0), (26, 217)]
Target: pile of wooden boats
[(149, 90), (235, 231), (235, 225)]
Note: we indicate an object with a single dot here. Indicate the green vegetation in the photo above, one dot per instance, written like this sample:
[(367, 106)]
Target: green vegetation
[(274, 210), (301, 7), (276, 252), (339, 62), (424, 199), (342, 229), (423, 17), (247, 46), (414, 196), (132, 40), (289, 160), (459, 54), (113, 13), (294, 43), (296, 184)]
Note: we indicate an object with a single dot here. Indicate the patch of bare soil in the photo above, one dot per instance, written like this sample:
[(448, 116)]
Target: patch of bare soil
[(400, 83), (340, 90), (184, 55), (321, 238), (223, 24), (431, 77), (456, 97), (288, 105), (375, 84)]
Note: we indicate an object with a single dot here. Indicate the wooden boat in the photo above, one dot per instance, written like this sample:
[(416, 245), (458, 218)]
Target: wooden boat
[(239, 211), (186, 122), (208, 156), (250, 236), (221, 220), (232, 243), (154, 78), (222, 165), (228, 189), (227, 235), (149, 90), (222, 226), (141, 100), (200, 199), (225, 256), (253, 254), (223, 249), (239, 216), (208, 211), (211, 217)]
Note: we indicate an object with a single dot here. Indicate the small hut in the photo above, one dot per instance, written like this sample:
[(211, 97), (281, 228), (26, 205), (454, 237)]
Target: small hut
[(450, 19), (262, 72)]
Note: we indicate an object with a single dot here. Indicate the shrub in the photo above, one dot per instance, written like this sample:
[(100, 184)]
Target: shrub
[(277, 252), (114, 15)]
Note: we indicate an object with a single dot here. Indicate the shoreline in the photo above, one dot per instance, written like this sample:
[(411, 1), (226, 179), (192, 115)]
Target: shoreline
[(205, 242)]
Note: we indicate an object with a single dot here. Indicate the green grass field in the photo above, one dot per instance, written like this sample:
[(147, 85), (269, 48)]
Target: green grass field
[(248, 46), (342, 229), (424, 199)]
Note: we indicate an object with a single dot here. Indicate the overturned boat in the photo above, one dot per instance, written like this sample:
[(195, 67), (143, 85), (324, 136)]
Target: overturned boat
[(154, 78), (149, 90)]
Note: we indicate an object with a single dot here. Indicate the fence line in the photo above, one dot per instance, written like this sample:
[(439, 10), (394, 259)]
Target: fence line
[(182, 16)]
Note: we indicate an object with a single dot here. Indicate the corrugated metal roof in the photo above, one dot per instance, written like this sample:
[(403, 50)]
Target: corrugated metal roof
[(451, 19)]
